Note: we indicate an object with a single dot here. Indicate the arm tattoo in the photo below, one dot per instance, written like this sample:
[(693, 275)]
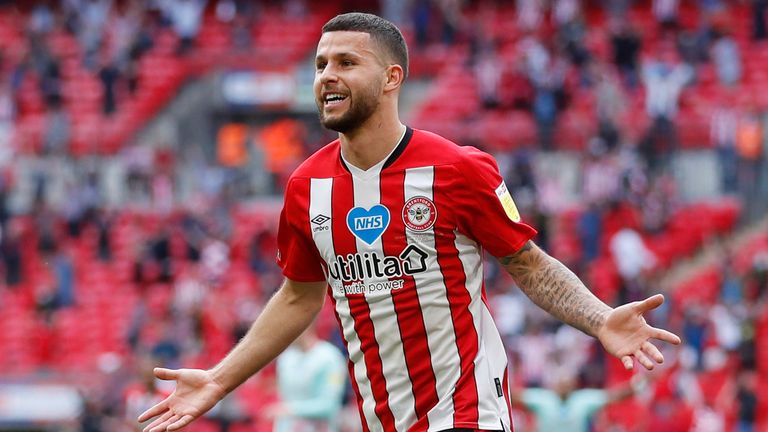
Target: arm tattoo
[(554, 288)]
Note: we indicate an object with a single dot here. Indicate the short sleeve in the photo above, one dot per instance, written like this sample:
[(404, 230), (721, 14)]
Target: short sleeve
[(486, 211), (297, 255)]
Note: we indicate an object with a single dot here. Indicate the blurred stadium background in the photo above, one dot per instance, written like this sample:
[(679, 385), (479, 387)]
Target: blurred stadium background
[(144, 146)]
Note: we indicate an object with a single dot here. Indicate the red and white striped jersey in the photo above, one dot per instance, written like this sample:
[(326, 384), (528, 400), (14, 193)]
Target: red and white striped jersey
[(400, 245)]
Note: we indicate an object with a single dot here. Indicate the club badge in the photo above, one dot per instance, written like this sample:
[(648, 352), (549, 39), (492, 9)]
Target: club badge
[(419, 214)]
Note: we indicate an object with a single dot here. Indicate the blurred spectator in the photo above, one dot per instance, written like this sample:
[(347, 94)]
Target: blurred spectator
[(142, 40), (214, 260), (708, 419), (310, 401), (731, 289), (568, 407), (227, 412), (421, 12), (610, 104), (394, 10), (91, 418), (696, 331), (41, 19), (488, 73), (226, 11), (590, 230), (666, 13), (509, 308), (747, 401), (104, 223), (530, 14), (749, 149), (566, 11), (126, 22), (546, 70), (58, 129), (109, 76), (727, 59), (138, 164), (626, 45), (694, 44), (759, 19), (163, 195), (664, 79), (167, 350), (142, 395), (295, 8), (160, 253), (658, 204), (535, 358), (723, 128), (600, 174), (670, 413), (7, 116), (186, 17), (50, 82), (571, 31), (189, 295), (632, 258), (93, 16), (450, 12), (261, 251), (64, 278), (152, 260), (10, 252)]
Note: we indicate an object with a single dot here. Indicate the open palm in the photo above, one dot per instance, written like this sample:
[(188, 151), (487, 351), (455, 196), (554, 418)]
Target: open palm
[(626, 335), (196, 392)]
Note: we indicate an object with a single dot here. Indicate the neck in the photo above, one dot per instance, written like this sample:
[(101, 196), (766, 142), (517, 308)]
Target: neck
[(369, 144)]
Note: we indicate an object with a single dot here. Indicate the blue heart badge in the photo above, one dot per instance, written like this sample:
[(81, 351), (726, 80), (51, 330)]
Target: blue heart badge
[(368, 225)]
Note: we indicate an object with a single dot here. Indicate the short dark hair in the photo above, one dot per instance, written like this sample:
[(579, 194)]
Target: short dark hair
[(382, 31)]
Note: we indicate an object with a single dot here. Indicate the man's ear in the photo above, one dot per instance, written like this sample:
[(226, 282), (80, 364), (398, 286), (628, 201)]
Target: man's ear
[(395, 77)]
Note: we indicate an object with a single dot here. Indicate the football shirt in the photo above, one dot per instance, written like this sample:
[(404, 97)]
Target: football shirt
[(400, 245)]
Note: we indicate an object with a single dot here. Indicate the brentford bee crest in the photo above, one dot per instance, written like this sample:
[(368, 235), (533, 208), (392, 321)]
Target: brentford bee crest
[(419, 214)]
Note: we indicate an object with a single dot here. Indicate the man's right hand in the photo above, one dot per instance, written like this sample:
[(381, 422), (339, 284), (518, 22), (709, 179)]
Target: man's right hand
[(196, 392)]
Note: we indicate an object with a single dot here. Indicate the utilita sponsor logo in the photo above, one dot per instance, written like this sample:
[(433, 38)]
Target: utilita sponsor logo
[(354, 267)]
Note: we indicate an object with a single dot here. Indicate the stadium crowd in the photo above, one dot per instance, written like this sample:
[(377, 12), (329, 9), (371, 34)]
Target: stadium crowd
[(97, 294)]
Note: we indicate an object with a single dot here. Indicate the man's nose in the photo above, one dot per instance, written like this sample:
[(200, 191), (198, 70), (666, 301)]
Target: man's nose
[(328, 74)]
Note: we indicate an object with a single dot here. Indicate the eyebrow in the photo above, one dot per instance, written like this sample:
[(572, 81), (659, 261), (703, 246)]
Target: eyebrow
[(340, 55)]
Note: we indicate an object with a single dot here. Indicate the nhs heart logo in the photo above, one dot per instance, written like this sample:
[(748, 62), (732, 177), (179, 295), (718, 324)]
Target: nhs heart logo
[(368, 225)]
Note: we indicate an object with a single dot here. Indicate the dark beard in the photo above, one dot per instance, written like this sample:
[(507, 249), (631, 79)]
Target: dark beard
[(355, 116)]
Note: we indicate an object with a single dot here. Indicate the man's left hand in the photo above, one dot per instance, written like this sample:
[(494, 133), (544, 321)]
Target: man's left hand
[(626, 335)]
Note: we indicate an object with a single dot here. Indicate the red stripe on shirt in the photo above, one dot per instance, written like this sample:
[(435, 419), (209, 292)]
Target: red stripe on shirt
[(344, 243), (351, 369), (407, 307), (465, 398)]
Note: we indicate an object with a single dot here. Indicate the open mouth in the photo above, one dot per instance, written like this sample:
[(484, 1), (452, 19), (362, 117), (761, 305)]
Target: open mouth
[(332, 99)]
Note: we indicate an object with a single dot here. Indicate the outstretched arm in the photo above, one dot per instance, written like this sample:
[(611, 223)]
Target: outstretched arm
[(553, 287), (286, 315)]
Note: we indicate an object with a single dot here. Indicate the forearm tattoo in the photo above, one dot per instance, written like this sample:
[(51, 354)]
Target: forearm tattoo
[(554, 288)]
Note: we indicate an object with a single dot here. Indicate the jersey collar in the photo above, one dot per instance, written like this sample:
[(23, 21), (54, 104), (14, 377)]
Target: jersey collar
[(389, 160)]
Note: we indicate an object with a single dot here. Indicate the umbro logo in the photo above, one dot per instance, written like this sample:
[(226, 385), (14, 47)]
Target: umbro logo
[(320, 220)]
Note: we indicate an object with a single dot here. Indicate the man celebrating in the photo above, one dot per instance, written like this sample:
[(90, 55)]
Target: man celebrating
[(390, 223)]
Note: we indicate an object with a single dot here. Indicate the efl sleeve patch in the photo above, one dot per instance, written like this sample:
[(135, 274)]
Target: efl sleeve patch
[(507, 202)]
